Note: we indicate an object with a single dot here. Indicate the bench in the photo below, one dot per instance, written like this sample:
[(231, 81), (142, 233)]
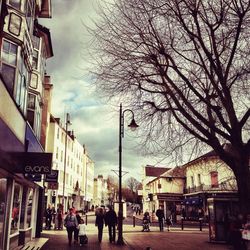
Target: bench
[(34, 244)]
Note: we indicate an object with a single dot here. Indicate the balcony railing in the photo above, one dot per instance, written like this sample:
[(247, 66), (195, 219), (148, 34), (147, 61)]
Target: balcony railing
[(220, 187)]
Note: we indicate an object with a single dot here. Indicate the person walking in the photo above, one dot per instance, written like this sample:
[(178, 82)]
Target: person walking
[(76, 232), (99, 222), (161, 217), (70, 222), (59, 216), (82, 233), (111, 222), (48, 215)]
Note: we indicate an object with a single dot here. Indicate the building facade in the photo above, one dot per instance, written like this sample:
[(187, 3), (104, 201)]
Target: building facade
[(100, 191), (74, 166), (185, 190), (207, 177), (149, 173), (25, 46)]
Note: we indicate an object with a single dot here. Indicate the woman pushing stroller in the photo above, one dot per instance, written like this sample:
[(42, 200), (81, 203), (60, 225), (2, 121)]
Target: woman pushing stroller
[(146, 222)]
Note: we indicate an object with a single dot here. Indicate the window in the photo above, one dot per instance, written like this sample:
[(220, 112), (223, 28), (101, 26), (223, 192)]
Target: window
[(31, 109), (15, 3), (36, 42), (15, 215), (192, 181), (21, 86), (15, 23), (57, 152), (29, 13), (3, 200), (9, 58), (61, 155), (35, 59), (214, 179), (58, 134), (199, 179), (29, 207), (34, 81)]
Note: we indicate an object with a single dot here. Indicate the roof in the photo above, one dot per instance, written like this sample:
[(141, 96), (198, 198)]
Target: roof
[(155, 171), (175, 172)]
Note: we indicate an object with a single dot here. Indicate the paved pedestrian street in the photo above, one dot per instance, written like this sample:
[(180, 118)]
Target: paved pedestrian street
[(137, 240)]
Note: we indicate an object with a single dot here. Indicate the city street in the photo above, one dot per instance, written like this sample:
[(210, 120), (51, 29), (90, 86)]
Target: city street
[(135, 239), (189, 238)]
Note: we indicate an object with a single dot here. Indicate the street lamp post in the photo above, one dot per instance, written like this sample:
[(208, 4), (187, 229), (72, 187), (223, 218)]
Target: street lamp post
[(65, 158), (133, 126)]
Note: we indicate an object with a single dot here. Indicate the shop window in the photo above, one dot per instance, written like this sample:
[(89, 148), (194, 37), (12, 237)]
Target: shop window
[(9, 62), (214, 179), (15, 3), (29, 207), (15, 214), (3, 199)]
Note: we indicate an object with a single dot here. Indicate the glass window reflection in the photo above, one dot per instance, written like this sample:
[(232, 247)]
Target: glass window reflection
[(16, 208)]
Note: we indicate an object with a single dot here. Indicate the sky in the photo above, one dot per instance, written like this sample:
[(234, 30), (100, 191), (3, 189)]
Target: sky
[(95, 123)]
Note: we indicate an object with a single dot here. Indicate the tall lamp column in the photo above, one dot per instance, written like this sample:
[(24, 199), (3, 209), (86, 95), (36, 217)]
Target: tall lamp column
[(133, 126), (65, 158)]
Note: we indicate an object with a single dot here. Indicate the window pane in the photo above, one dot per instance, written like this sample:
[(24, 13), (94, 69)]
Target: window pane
[(3, 197), (8, 74), (6, 46), (16, 209), (31, 101), (34, 80), (15, 3), (30, 117), (29, 208)]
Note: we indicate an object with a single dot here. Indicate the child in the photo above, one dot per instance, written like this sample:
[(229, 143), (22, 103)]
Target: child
[(82, 233)]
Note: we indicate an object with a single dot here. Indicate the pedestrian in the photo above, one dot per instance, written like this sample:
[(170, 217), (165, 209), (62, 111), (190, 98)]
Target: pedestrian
[(111, 222), (169, 222), (70, 222), (82, 233), (161, 217), (48, 216), (59, 216), (76, 232), (99, 222)]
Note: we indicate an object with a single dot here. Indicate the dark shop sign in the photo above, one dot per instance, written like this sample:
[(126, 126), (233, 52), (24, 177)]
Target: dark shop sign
[(34, 163), (52, 176)]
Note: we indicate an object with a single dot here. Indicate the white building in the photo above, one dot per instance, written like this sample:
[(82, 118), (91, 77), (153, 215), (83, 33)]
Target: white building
[(100, 191), (75, 172)]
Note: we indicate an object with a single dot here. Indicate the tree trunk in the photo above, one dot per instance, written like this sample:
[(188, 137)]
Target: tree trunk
[(242, 174)]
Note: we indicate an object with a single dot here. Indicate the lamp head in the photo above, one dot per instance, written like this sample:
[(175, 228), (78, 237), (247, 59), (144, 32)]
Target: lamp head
[(133, 126)]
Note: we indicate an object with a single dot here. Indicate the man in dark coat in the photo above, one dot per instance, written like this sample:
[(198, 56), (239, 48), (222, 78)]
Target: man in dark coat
[(111, 222), (161, 217)]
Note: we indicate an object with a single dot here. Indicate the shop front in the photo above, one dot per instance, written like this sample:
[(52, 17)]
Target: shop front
[(20, 195)]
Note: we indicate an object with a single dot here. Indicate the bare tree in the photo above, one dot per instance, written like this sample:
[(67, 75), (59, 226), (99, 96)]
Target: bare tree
[(132, 184), (184, 66)]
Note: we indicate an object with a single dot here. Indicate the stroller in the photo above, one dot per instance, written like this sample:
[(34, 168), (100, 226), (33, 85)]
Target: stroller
[(145, 223)]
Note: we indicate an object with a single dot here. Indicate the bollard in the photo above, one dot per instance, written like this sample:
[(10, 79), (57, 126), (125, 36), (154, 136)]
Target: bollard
[(86, 220), (200, 219), (182, 224), (133, 221)]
